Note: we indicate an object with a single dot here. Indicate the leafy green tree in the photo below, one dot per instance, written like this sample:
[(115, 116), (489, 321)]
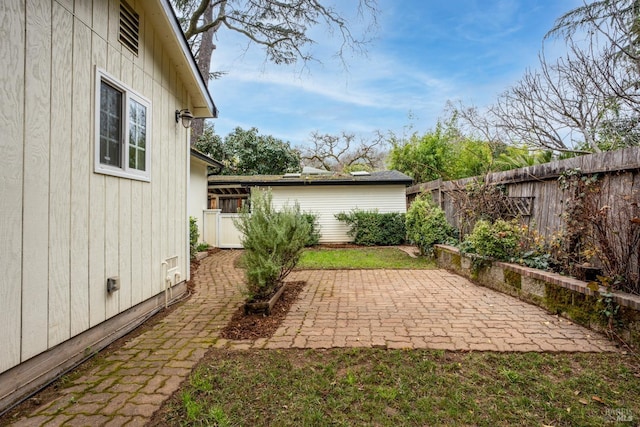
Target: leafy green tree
[(520, 157), (442, 153), (425, 158), (245, 152), (472, 158), (209, 142)]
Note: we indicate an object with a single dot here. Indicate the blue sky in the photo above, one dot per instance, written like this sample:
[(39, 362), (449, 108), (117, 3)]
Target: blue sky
[(424, 52)]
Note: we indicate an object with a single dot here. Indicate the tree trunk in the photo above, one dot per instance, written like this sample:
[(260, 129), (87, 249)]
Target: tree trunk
[(203, 61)]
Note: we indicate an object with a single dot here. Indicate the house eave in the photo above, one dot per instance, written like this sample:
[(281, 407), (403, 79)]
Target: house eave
[(196, 154), (316, 180), (202, 105)]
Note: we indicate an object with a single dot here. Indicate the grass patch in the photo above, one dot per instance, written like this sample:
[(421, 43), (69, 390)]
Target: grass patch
[(395, 387), (361, 258)]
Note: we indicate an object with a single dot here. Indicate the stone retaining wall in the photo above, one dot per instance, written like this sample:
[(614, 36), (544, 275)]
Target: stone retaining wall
[(559, 294)]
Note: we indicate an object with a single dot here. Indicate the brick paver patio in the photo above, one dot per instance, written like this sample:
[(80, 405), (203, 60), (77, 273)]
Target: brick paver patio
[(380, 308)]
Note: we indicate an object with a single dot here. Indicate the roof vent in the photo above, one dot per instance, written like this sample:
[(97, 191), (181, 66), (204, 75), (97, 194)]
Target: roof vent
[(360, 173), (308, 170), (129, 27)]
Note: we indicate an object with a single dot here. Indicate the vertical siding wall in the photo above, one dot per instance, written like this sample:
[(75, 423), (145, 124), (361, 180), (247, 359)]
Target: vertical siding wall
[(326, 201), (64, 228)]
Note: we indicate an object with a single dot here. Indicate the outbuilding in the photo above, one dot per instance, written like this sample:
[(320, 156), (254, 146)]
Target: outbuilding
[(319, 192)]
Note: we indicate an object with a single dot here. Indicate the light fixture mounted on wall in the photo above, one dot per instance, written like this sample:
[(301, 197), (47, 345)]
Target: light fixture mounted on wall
[(186, 117)]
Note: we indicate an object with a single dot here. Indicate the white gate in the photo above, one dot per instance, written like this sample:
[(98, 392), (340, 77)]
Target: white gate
[(220, 231)]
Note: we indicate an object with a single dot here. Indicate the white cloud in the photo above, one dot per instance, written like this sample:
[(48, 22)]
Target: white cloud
[(426, 54)]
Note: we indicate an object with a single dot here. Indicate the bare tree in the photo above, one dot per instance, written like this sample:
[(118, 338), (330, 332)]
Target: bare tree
[(567, 104), (618, 21), (476, 124), (343, 152), (585, 101), (280, 27), (614, 26)]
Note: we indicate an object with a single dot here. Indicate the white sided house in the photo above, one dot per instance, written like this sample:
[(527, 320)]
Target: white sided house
[(198, 187), (323, 194), (94, 177)]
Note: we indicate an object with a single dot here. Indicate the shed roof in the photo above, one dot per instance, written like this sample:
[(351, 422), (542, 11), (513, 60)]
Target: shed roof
[(374, 178)]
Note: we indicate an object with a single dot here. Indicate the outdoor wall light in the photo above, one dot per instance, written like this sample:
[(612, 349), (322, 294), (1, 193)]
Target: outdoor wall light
[(186, 117)]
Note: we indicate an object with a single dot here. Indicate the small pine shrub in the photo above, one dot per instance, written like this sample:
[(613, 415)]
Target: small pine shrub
[(371, 228), (273, 241), (427, 225)]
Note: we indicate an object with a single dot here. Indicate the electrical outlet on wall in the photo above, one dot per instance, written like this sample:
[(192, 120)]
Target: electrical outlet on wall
[(113, 284)]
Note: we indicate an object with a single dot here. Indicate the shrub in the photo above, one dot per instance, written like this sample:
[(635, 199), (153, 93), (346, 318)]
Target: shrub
[(371, 228), (509, 241), (427, 225), (500, 240), (202, 247), (273, 241), (193, 237), (314, 235)]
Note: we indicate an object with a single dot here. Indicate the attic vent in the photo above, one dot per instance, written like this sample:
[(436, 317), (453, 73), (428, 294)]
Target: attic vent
[(360, 173), (129, 27)]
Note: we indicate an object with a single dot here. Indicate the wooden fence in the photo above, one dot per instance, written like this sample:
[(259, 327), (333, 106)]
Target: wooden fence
[(535, 190)]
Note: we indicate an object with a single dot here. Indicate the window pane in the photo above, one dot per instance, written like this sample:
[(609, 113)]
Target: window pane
[(141, 160), (110, 125), (137, 135), (142, 141)]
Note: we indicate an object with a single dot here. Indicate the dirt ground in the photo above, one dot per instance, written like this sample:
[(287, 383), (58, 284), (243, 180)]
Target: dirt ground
[(253, 326)]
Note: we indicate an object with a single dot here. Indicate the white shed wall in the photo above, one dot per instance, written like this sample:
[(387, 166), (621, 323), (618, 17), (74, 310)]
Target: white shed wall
[(64, 228), (328, 200)]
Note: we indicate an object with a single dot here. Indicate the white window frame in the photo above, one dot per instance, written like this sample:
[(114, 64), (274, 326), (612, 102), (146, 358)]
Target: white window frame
[(128, 94)]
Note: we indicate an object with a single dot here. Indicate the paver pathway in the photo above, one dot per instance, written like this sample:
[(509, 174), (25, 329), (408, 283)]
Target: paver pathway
[(129, 385), (337, 308)]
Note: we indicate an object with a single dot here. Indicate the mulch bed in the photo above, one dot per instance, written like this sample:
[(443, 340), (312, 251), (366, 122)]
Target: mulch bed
[(254, 326)]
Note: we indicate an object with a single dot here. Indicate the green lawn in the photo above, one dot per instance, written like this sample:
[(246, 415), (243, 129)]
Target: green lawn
[(346, 387), (361, 258)]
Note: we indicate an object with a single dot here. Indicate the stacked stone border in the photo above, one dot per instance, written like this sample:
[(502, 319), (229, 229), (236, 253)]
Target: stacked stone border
[(559, 294)]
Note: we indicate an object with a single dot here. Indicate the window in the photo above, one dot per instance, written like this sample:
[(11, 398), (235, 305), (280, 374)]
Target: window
[(122, 131)]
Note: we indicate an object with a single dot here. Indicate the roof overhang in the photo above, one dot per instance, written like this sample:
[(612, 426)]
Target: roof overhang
[(209, 161), (161, 14), (306, 180)]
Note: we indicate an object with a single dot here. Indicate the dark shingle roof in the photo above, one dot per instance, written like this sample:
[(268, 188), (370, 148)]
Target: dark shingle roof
[(374, 178)]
